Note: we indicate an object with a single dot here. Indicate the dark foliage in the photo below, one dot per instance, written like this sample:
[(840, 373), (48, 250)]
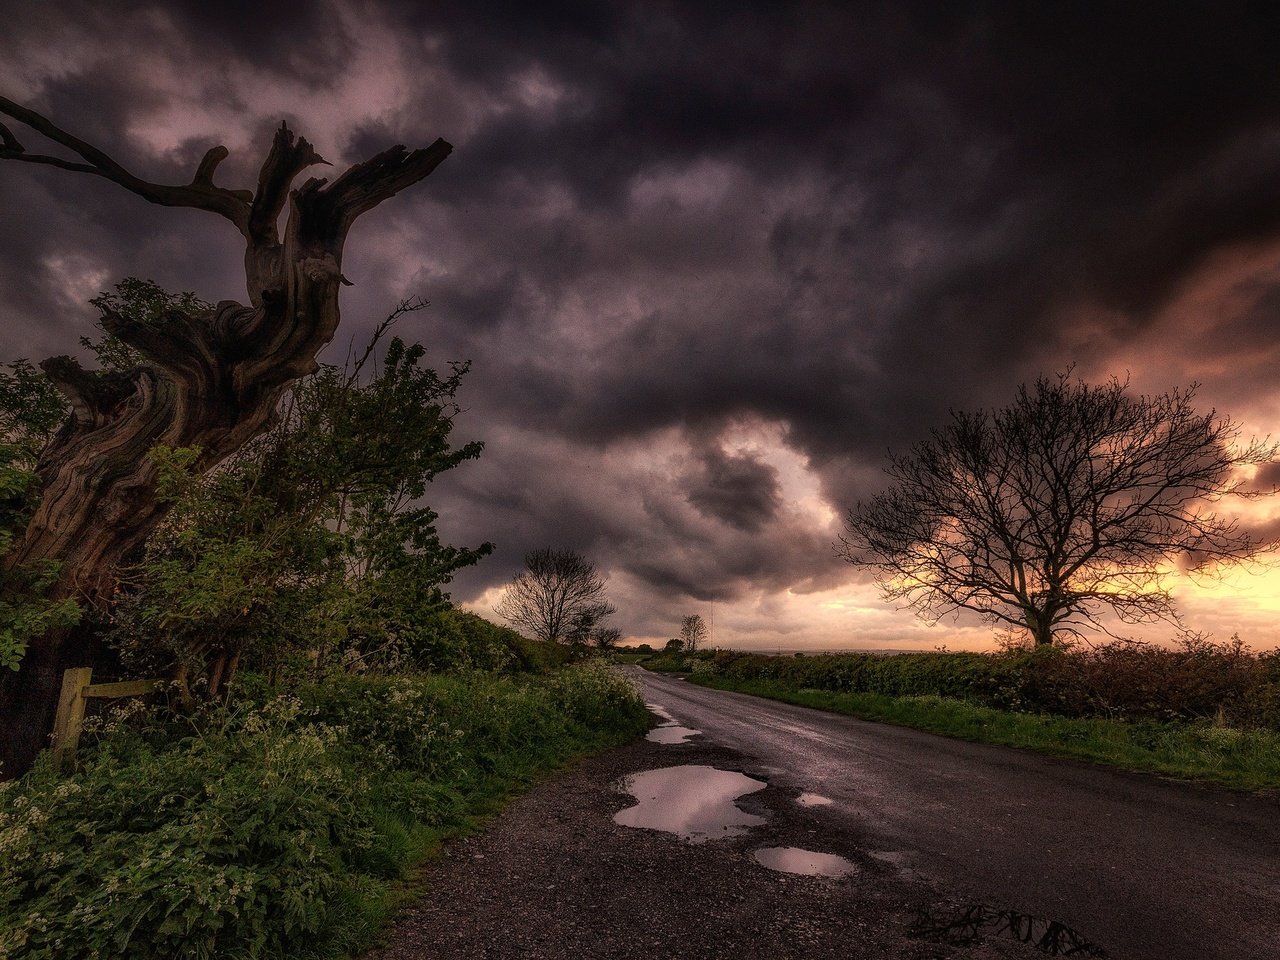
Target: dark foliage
[(1197, 680)]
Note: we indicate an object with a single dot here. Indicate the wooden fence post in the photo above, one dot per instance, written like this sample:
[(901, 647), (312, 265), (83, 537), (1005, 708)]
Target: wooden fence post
[(66, 726), (76, 689)]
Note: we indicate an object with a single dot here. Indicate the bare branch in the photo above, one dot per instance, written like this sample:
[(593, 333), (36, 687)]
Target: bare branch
[(288, 157), (367, 184), (411, 305), (94, 396), (200, 194)]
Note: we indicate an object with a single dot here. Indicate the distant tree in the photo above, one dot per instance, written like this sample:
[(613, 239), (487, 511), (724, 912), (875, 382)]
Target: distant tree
[(606, 638), (673, 645), (644, 648), (558, 597), (693, 631), (587, 625), (1073, 499)]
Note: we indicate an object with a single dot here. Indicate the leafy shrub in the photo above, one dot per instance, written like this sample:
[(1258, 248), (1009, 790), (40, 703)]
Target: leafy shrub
[(1198, 680), (272, 828), (30, 410), (453, 639), (674, 660), (538, 656), (312, 537), (233, 842)]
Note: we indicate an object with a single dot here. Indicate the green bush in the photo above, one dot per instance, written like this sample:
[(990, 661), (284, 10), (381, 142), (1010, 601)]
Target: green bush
[(274, 828), (538, 656), (1197, 680), (675, 661), (452, 639)]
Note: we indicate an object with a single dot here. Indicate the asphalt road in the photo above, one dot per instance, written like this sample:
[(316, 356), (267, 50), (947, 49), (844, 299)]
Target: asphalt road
[(1145, 867), (557, 876)]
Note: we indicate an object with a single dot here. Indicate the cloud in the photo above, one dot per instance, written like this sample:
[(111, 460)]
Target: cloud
[(663, 222), (739, 490)]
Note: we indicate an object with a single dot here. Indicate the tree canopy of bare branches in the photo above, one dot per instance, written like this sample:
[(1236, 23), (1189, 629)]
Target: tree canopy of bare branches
[(1072, 500), (693, 632), (558, 597)]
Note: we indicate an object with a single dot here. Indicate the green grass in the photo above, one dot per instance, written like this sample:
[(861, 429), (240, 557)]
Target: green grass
[(1241, 759), (632, 658)]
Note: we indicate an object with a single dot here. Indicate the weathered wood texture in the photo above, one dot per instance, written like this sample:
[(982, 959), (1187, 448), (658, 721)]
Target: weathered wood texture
[(70, 712), (212, 380), (68, 722)]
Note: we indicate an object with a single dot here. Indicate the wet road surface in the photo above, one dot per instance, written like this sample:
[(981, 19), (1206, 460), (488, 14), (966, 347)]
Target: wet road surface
[(680, 851), (1148, 868)]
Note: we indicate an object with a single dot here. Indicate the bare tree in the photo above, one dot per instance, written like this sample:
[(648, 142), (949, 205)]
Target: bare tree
[(558, 597), (587, 624), (693, 631), (606, 638), (1073, 499), (209, 379)]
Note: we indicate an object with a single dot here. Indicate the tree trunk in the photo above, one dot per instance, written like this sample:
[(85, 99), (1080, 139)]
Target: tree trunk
[(1040, 625), (212, 381)]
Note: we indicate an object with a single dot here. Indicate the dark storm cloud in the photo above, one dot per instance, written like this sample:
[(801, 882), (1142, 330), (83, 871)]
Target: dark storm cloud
[(740, 490), (1036, 162), (662, 221)]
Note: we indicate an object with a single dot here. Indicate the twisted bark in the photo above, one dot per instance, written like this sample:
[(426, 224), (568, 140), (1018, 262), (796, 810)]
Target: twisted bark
[(211, 380)]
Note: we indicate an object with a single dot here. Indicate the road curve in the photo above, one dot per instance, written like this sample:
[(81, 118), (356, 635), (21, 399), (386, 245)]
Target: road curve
[(1147, 867)]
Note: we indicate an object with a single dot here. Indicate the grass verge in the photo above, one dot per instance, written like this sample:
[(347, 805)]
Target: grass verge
[(1241, 759), (286, 825)]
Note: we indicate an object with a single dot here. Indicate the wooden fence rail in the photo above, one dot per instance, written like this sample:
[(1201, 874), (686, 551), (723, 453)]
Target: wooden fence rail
[(77, 687)]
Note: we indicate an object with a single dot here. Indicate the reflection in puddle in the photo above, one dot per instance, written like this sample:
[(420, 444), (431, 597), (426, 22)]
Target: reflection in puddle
[(968, 926), (812, 800), (671, 733), (691, 801), (661, 711), (806, 862)]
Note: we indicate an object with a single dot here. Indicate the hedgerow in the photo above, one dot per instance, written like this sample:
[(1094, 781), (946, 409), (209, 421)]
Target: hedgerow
[(276, 827), (1196, 680)]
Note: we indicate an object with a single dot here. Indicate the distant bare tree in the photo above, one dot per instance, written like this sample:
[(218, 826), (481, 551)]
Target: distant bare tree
[(558, 597), (1073, 499), (693, 631), (606, 638), (587, 625)]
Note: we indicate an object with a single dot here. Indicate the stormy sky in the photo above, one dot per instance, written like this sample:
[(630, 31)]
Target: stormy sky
[(709, 261)]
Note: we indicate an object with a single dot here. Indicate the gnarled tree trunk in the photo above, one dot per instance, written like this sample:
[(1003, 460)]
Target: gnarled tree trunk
[(212, 380)]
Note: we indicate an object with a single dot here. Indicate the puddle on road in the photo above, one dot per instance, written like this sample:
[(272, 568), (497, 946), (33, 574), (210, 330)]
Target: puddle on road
[(969, 925), (813, 800), (661, 711), (671, 733), (809, 863), (692, 801)]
